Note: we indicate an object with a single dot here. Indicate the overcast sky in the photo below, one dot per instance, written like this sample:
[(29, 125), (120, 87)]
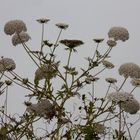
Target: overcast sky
[(87, 19)]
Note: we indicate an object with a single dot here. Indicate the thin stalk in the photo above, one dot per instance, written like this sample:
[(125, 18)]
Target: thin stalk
[(95, 51), (5, 104), (68, 62), (55, 45), (122, 84)]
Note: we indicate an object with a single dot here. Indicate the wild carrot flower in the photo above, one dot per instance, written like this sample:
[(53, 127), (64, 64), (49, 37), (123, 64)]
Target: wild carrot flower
[(129, 69), (111, 80), (125, 100), (98, 40), (43, 109), (71, 43), (43, 20), (14, 26), (20, 38), (118, 33), (7, 64), (131, 106), (119, 96), (46, 72), (62, 25), (111, 43), (107, 64)]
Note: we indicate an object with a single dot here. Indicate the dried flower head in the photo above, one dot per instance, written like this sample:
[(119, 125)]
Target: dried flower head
[(98, 40), (71, 43), (20, 38), (111, 43), (119, 96), (118, 33), (62, 25), (43, 20), (135, 82), (14, 26), (7, 64), (108, 64), (46, 72), (129, 69), (111, 80), (43, 109), (131, 106)]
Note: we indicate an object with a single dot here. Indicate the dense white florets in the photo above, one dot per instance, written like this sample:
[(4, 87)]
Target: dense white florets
[(14, 26), (118, 33), (129, 69), (7, 64), (20, 38)]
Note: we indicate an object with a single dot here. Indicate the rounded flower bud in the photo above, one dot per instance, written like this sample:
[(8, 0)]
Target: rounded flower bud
[(20, 38), (107, 64), (7, 64), (118, 33), (14, 26), (129, 69)]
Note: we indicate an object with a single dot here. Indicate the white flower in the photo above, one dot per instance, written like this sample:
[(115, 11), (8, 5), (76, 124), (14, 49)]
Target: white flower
[(7, 64), (62, 25), (111, 80), (119, 96), (118, 33), (14, 26), (129, 69), (46, 71), (107, 64), (111, 43), (131, 106), (43, 109), (43, 20), (20, 38)]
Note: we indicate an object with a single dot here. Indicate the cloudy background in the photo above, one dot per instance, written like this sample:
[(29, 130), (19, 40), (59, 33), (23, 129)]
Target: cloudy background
[(87, 19)]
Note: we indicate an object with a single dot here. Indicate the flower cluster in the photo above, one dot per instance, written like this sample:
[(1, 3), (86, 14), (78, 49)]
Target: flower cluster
[(118, 33), (43, 109), (7, 64), (129, 70), (125, 100)]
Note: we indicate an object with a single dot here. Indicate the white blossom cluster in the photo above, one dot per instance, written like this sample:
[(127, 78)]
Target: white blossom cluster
[(7, 64), (118, 33), (18, 29), (127, 101), (129, 69), (43, 109)]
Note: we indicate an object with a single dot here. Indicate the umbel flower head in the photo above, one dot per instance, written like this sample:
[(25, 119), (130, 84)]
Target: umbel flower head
[(43, 20), (14, 26), (20, 38), (71, 43), (111, 80), (118, 33), (7, 64), (111, 43), (129, 69), (131, 106), (43, 109), (46, 71), (62, 25), (125, 100)]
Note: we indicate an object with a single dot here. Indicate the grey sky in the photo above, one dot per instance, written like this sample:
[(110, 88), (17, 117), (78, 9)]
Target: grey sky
[(87, 19)]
